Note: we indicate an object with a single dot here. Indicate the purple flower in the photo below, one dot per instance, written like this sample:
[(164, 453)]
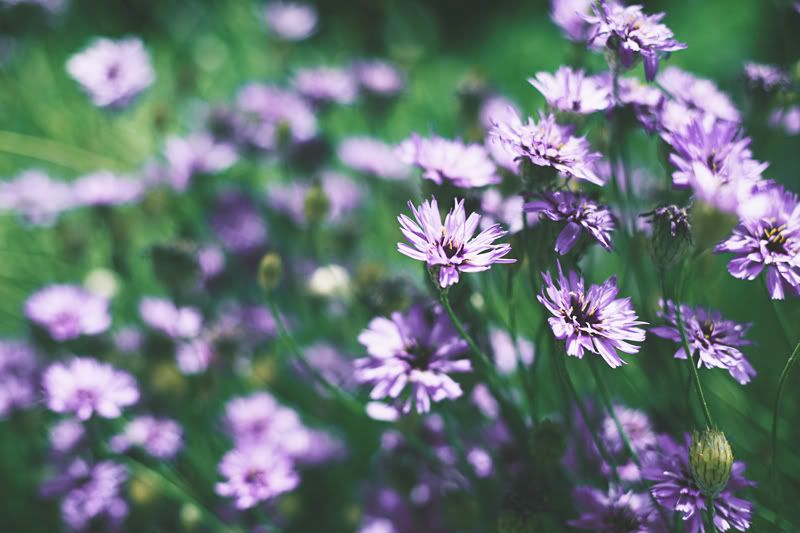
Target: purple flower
[(451, 247), (372, 157), (211, 260), (410, 357), (712, 339), (342, 193), (442, 160), (276, 109), (632, 35), (172, 321), (616, 511), (572, 91), (36, 197), (68, 311), (255, 474), (766, 77), (106, 188), (196, 154), (570, 16), (195, 355), (238, 224), (579, 212), (787, 118), (18, 381), (259, 420), (160, 437), (508, 354), (85, 386), (698, 95), (290, 21), (508, 211), (548, 144), (494, 110), (770, 241), (112, 73), (379, 78), (324, 85), (594, 320), (674, 488), (65, 435)]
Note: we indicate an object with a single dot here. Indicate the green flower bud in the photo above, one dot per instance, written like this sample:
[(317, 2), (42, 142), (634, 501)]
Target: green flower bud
[(711, 460), (270, 270), (672, 235), (316, 204)]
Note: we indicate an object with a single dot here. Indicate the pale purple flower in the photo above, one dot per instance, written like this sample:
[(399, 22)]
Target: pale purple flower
[(379, 78), (674, 488), (211, 260), (160, 437), (766, 77), (255, 474), (446, 161), (68, 311), (85, 386), (326, 85), (237, 223), (615, 511), (276, 108), (291, 21), (172, 321), (714, 341), (547, 144), (259, 420), (36, 197), (507, 353), (698, 94), (570, 16), (787, 118), (571, 91), (373, 157), (594, 320), (18, 376), (494, 110), (410, 358), (65, 435), (632, 35), (769, 242), (329, 363), (579, 213), (342, 193), (111, 72), (497, 209), (194, 155), (194, 356), (106, 188), (452, 247)]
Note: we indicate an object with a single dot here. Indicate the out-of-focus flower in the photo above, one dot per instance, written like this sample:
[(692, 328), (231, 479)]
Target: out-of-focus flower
[(128, 339), (290, 21), (674, 488), (172, 321), (410, 358), (111, 72), (381, 411), (18, 382), (547, 144), (330, 281), (579, 212), (237, 223), (712, 339), (36, 197), (379, 78), (507, 353), (255, 474), (698, 94), (615, 511), (65, 435), (329, 363), (632, 34), (451, 247), (102, 282), (342, 196), (85, 386), (68, 311), (570, 16), (494, 110), (787, 118), (769, 241), (106, 188), (507, 211), (211, 260), (571, 91), (160, 437), (373, 157), (326, 85), (195, 355), (445, 161), (259, 420), (195, 155), (766, 77), (594, 320), (277, 110)]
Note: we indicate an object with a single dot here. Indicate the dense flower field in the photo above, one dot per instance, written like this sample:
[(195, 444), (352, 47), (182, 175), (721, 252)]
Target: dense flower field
[(321, 267)]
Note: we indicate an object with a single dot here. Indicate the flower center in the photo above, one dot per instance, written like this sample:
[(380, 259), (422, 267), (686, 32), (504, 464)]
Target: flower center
[(418, 357), (776, 239), (254, 477), (581, 313)]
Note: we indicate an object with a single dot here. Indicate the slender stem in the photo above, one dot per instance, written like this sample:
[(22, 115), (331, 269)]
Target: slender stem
[(787, 369), (712, 527)]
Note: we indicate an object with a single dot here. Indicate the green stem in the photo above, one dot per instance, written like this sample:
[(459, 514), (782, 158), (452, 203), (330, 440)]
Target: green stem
[(712, 527), (787, 369)]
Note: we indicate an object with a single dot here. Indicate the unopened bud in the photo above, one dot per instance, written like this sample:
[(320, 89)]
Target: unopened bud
[(316, 204), (672, 235), (711, 460), (270, 270)]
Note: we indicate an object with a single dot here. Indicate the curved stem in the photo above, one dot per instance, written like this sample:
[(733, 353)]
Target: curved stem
[(787, 369)]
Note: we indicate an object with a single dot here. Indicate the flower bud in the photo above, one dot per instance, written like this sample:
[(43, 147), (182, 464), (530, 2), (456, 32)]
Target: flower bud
[(316, 205), (270, 270), (672, 235), (711, 460)]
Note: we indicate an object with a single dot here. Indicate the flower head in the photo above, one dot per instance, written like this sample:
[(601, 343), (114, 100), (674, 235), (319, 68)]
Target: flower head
[(410, 358), (276, 109), (160, 437), (237, 223), (572, 91), (174, 322), (615, 511), (373, 157), (18, 376), (697, 96), (112, 72), (672, 234), (451, 247), (85, 386), (766, 77), (594, 320), (579, 213), (290, 21), (259, 419), (194, 155), (255, 474), (570, 16), (446, 161), (68, 311), (379, 78), (105, 188), (37, 198), (323, 85)]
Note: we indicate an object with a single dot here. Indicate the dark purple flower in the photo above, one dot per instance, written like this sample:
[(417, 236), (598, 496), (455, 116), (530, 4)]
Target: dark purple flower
[(373, 157), (238, 224), (766, 77), (570, 16), (674, 488), (196, 154), (697, 95), (380, 78), (410, 358), (571, 91), (290, 21), (579, 212), (616, 511), (68, 311), (172, 321), (255, 474), (106, 188), (632, 35), (85, 386), (112, 73), (594, 320), (445, 161), (324, 85), (36, 197), (769, 241), (160, 437), (18, 376), (276, 109), (451, 247)]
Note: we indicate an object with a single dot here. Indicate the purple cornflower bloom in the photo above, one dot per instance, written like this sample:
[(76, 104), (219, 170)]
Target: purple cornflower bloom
[(766, 77), (570, 16), (106, 188), (174, 322), (379, 78), (85, 386), (494, 110), (616, 511), (237, 223), (579, 212), (442, 160), (324, 85), (571, 91), (194, 356), (410, 357), (770, 241), (258, 420), (451, 247), (632, 34), (594, 320), (373, 157), (160, 437), (18, 381), (787, 118), (68, 311), (548, 144), (65, 435), (674, 488), (509, 354), (276, 109), (698, 94), (255, 474), (196, 154), (290, 21), (714, 340), (36, 197), (111, 72)]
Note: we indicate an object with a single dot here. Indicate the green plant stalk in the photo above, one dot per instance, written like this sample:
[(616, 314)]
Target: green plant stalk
[(512, 328), (787, 369)]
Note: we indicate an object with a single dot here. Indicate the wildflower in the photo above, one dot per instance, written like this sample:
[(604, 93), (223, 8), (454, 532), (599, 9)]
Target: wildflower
[(174, 322), (410, 358), (379, 78), (111, 72), (494, 110), (255, 474), (68, 311), (259, 419), (276, 109), (570, 16), (85, 386), (37, 198), (290, 21), (372, 157), (507, 211), (508, 354), (579, 213), (105, 188), (160, 437), (766, 77), (451, 248), (698, 96), (571, 91), (615, 511), (594, 320), (237, 223), (65, 435), (787, 118), (195, 355), (340, 193), (195, 155), (445, 161), (326, 85), (18, 376)]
